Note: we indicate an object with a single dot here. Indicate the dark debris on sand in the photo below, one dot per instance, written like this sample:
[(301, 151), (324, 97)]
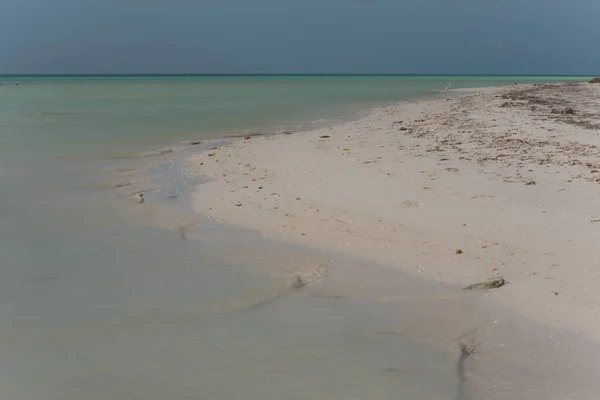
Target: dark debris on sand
[(555, 99)]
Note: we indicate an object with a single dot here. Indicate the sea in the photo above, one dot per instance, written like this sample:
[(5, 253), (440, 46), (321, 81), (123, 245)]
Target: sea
[(97, 302)]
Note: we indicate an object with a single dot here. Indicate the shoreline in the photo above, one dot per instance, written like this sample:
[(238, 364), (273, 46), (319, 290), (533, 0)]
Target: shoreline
[(456, 190), (385, 233)]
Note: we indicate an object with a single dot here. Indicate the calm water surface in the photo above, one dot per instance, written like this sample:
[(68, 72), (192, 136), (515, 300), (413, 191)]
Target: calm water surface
[(94, 305)]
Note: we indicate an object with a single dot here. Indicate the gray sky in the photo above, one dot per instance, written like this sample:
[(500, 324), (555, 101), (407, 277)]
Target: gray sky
[(301, 36)]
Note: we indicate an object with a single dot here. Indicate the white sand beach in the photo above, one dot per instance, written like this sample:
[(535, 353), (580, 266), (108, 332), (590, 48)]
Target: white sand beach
[(496, 182)]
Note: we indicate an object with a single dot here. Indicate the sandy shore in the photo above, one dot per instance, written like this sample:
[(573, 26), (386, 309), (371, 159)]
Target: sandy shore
[(502, 182)]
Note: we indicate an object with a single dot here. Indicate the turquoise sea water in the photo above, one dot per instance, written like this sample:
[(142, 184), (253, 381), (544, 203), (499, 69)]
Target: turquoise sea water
[(111, 115), (95, 306)]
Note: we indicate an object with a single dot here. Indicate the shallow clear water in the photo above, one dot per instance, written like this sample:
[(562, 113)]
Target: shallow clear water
[(96, 305)]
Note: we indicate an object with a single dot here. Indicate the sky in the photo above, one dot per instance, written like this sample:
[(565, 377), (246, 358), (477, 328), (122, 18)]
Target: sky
[(300, 36)]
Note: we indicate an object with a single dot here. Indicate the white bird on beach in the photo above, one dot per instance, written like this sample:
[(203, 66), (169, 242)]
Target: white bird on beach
[(448, 87)]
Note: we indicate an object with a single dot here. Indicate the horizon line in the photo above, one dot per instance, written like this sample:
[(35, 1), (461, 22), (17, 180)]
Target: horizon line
[(272, 74)]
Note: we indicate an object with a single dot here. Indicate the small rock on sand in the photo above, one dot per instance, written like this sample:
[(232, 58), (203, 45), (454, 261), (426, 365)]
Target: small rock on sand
[(489, 284), (298, 282)]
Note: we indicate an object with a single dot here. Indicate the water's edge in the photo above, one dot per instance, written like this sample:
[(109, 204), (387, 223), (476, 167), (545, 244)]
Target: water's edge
[(480, 338)]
